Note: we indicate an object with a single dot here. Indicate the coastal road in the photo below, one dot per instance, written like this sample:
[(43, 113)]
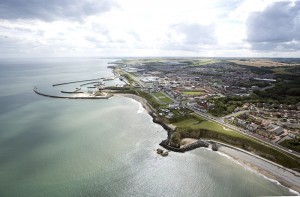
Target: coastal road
[(244, 132), (220, 121), (234, 128), (136, 79)]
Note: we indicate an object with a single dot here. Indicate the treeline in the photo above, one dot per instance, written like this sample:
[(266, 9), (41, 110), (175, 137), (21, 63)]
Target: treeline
[(225, 105), (255, 69), (293, 144), (282, 93)]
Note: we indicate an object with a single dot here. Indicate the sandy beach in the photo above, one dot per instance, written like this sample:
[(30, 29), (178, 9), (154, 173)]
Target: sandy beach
[(284, 176), (143, 101), (82, 95), (187, 141), (87, 95)]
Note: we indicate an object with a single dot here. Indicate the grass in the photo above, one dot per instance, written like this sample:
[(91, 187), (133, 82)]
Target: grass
[(193, 93), (199, 123), (197, 127), (282, 71), (162, 97), (260, 63), (202, 62)]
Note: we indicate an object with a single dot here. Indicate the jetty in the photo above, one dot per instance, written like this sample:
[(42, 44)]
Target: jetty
[(95, 82), (71, 92), (59, 84), (71, 97)]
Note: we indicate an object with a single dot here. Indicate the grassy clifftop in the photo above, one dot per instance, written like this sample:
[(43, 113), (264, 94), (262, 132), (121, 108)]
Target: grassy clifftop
[(194, 126)]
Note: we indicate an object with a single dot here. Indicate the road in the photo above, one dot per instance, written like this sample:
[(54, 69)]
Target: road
[(232, 127), (243, 132)]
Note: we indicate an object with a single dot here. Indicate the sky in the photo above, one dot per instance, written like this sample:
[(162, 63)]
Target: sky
[(133, 28)]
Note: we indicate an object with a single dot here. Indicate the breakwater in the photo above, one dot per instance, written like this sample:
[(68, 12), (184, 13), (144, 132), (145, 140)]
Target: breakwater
[(198, 144), (59, 84), (94, 82), (70, 97), (71, 92)]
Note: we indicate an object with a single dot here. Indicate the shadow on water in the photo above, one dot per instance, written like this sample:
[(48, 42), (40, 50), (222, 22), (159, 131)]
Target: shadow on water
[(13, 102), (18, 153)]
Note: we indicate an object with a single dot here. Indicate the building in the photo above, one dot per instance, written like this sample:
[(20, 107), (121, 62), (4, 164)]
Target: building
[(278, 130)]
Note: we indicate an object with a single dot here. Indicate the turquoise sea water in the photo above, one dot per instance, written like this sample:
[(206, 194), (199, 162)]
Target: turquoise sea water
[(61, 147)]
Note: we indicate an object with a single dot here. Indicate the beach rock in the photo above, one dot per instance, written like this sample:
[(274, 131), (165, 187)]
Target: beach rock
[(215, 147), (165, 153), (159, 151)]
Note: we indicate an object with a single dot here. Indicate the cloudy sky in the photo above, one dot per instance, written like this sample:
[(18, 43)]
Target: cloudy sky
[(235, 28)]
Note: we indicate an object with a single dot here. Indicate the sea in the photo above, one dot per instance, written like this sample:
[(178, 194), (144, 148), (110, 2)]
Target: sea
[(106, 147)]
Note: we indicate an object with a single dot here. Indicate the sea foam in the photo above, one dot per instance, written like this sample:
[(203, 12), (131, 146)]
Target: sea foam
[(255, 172)]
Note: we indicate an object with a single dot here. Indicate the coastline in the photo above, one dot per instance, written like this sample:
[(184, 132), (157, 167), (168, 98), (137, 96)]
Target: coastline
[(139, 99), (267, 169), (274, 172)]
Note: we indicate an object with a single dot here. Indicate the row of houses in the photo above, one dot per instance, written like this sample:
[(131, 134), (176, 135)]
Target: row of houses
[(253, 127)]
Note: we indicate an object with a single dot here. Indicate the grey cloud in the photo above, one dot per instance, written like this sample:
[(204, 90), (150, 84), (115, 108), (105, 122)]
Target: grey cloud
[(51, 10), (285, 46), (275, 26)]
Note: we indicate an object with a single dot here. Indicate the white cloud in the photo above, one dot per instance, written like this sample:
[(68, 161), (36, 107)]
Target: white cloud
[(131, 28)]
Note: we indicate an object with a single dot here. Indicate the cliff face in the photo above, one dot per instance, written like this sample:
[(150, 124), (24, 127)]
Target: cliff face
[(176, 136)]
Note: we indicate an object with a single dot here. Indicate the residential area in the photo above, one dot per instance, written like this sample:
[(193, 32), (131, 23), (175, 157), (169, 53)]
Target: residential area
[(226, 92)]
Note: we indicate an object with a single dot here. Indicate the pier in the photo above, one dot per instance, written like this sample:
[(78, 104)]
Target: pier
[(71, 97), (59, 84)]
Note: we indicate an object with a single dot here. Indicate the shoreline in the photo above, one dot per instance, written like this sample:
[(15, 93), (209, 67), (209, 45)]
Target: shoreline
[(272, 171), (269, 170), (139, 99)]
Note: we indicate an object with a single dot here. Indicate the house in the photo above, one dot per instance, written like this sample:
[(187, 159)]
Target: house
[(278, 130), (173, 105), (252, 127), (240, 122), (170, 115)]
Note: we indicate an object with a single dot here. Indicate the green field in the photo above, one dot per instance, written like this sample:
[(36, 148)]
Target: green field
[(202, 62), (162, 97), (194, 126), (198, 122), (193, 93)]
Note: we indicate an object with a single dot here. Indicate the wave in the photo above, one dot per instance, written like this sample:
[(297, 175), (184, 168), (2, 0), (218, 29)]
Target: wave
[(141, 109), (246, 167)]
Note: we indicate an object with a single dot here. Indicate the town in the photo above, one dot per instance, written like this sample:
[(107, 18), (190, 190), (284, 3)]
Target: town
[(235, 95)]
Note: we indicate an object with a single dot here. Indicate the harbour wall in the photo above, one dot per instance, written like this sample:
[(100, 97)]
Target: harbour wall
[(70, 97)]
